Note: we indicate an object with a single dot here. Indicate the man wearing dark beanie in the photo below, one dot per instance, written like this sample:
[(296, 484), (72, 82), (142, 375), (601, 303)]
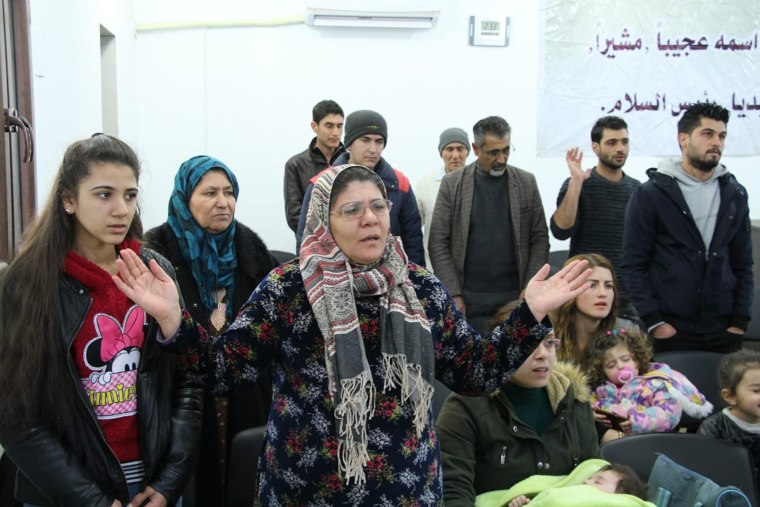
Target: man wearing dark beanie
[(366, 135), (360, 123)]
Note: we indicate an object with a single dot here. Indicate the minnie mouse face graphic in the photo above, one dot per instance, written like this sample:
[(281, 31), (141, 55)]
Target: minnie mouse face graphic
[(116, 349)]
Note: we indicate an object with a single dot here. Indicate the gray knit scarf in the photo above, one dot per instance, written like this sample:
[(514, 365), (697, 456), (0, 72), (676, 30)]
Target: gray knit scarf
[(332, 283)]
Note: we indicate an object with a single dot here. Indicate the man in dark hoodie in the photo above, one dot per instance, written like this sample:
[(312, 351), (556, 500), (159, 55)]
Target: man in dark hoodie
[(366, 138), (687, 251)]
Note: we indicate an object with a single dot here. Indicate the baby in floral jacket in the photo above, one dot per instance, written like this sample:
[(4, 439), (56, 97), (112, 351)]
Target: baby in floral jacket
[(647, 396)]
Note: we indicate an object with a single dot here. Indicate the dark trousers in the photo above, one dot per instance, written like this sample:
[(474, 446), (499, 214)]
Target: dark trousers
[(720, 341)]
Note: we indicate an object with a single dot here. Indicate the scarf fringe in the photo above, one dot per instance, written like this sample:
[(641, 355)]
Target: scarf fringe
[(357, 401), (399, 373), (422, 407), (395, 373)]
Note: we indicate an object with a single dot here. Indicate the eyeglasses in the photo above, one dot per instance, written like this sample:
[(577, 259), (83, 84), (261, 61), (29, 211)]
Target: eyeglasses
[(493, 154), (353, 210), (551, 343)]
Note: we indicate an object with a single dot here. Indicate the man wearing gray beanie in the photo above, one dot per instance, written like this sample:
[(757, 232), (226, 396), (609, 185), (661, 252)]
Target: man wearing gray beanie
[(453, 148), (366, 135)]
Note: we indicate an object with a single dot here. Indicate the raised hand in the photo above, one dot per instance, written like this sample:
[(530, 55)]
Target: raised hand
[(574, 157), (152, 289), (546, 294)]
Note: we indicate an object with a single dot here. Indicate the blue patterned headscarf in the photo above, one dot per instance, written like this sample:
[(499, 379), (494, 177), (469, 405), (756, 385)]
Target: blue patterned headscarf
[(211, 257)]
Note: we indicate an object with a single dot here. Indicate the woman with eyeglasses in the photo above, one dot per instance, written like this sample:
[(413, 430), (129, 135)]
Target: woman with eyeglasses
[(354, 335), (539, 422)]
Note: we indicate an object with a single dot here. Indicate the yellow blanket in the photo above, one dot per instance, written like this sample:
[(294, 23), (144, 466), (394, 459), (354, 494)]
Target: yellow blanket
[(561, 491)]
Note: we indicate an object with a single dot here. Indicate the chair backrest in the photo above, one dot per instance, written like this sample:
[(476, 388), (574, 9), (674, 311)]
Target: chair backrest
[(701, 367), (726, 463), (439, 396), (557, 258), (282, 256), (753, 330), (244, 455)]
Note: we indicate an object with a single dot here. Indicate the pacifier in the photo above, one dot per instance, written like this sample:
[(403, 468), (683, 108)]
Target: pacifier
[(625, 375)]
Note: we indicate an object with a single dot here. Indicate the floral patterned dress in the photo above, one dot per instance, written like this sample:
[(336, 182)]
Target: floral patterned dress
[(276, 329)]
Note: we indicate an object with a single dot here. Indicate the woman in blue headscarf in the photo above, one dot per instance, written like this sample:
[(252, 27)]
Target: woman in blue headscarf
[(218, 262)]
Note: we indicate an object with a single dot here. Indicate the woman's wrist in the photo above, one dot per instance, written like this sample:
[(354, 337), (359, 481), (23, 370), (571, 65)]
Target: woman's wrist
[(170, 325)]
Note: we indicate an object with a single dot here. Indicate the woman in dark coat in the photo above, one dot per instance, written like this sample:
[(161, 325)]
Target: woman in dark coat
[(218, 263)]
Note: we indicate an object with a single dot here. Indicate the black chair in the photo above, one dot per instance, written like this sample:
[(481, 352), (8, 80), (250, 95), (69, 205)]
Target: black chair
[(753, 330), (557, 258), (725, 463), (439, 396), (701, 367), (241, 469), (281, 256)]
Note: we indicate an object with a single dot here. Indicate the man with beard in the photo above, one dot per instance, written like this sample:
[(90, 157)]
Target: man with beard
[(687, 252), (591, 203), (488, 236)]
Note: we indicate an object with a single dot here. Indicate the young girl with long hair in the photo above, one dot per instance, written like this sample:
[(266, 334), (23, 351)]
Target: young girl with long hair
[(94, 411)]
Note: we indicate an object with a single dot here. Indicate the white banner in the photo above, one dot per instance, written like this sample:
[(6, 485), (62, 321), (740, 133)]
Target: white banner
[(645, 61)]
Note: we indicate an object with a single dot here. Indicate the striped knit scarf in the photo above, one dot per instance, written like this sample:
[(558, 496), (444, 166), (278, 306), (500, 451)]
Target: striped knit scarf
[(332, 283)]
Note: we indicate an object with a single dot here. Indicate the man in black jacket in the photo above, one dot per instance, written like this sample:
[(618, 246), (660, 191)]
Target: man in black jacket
[(687, 250), (327, 124)]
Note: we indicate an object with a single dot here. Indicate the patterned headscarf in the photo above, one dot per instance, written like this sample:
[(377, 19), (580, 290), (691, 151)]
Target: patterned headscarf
[(211, 257), (332, 283)]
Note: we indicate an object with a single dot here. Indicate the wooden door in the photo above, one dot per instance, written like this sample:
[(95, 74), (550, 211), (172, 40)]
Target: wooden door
[(17, 173)]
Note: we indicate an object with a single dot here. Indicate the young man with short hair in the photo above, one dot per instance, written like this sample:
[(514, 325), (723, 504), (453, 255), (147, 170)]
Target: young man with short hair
[(327, 124), (687, 248), (591, 203)]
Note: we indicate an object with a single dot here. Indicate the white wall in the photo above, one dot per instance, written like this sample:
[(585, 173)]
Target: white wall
[(244, 93), (66, 69)]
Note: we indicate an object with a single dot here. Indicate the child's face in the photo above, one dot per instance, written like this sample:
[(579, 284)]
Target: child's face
[(617, 360), (605, 481), (746, 399)]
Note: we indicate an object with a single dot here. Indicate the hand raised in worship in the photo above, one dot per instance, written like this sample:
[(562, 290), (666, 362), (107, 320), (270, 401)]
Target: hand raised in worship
[(152, 289), (546, 294), (574, 157)]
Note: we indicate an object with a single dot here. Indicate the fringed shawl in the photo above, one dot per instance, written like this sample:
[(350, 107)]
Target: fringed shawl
[(332, 283)]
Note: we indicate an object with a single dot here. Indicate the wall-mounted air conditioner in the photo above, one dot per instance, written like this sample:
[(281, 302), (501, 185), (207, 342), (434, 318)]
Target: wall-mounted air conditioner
[(373, 13)]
